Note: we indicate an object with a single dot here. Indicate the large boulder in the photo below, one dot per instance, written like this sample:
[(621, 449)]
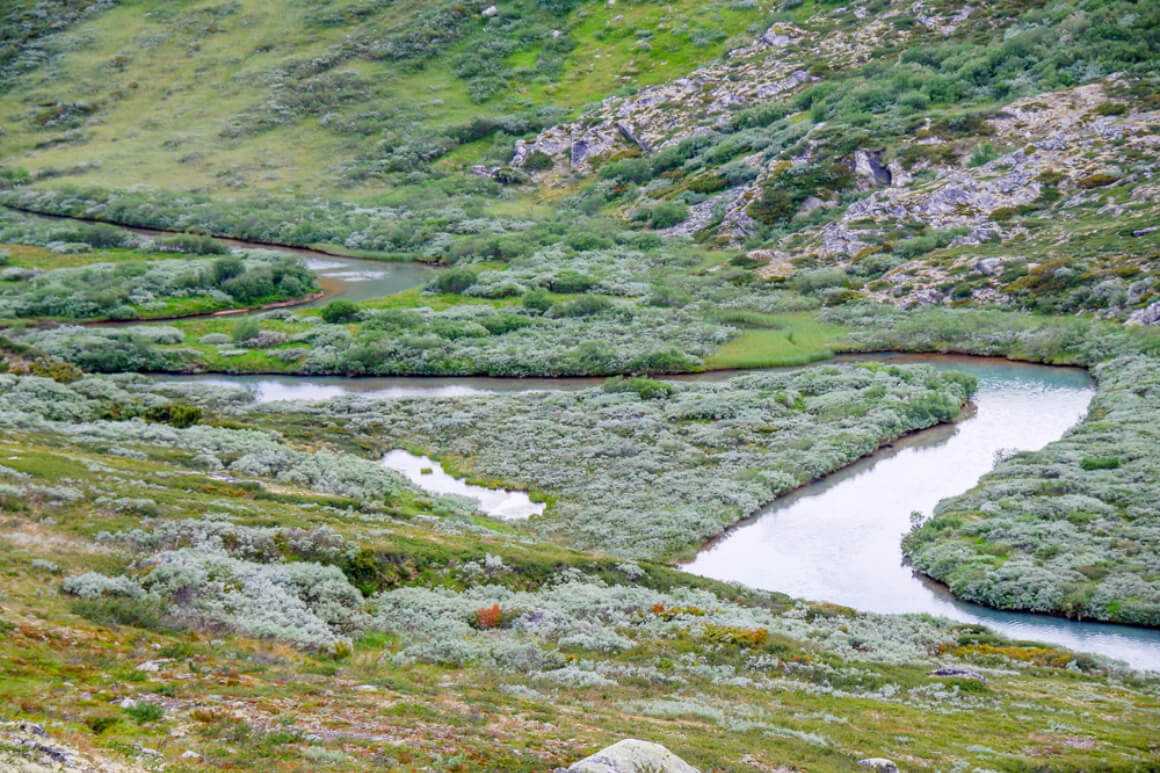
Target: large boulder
[(632, 756)]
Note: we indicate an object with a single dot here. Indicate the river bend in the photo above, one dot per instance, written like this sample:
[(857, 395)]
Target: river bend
[(838, 540)]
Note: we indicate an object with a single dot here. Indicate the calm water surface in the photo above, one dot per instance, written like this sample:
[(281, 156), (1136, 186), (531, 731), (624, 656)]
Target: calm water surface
[(429, 475), (268, 389), (838, 540), (357, 280)]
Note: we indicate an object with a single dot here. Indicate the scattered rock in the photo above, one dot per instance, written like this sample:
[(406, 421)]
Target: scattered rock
[(776, 37), (632, 756), (870, 170), (959, 672), (987, 267), (810, 205), (778, 265), (28, 748), (152, 666), (1149, 315), (881, 764), (482, 170)]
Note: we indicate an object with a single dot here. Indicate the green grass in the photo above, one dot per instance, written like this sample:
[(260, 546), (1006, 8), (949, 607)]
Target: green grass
[(164, 106), (415, 298), (681, 36), (798, 338)]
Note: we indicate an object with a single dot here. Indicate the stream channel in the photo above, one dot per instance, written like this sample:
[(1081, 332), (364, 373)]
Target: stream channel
[(837, 540)]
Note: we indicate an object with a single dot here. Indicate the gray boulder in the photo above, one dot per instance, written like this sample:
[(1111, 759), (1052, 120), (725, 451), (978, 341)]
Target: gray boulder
[(880, 764), (988, 266), (632, 756), (959, 672), (1146, 316)]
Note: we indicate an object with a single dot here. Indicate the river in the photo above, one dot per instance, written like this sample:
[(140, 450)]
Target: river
[(838, 540), (356, 279)]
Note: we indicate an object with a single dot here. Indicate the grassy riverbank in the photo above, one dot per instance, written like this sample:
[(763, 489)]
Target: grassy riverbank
[(469, 646)]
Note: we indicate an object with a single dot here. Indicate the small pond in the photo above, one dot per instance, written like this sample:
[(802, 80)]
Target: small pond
[(429, 475)]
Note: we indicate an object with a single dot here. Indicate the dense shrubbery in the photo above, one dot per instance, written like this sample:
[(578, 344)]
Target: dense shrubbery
[(1033, 337), (641, 476), (338, 311), (610, 321), (105, 410), (478, 339), (140, 289), (196, 244)]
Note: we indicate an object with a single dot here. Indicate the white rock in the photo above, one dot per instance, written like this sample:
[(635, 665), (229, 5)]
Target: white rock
[(127, 703), (190, 754), (152, 666), (632, 756), (491, 10), (881, 764)]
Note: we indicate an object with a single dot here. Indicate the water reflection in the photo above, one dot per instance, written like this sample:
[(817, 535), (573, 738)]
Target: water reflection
[(838, 540), (358, 280), (429, 475)]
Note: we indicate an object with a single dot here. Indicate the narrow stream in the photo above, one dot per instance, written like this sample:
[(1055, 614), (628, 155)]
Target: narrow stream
[(838, 540)]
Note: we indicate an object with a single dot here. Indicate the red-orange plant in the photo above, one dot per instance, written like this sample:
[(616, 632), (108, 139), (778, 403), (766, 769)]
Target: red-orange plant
[(488, 617)]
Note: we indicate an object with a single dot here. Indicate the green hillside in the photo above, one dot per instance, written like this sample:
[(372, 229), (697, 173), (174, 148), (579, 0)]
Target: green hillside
[(194, 579)]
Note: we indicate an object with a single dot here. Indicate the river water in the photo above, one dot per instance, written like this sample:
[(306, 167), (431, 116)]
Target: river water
[(357, 280), (838, 540)]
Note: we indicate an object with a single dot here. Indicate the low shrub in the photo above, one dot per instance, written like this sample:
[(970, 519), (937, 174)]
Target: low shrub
[(339, 310)]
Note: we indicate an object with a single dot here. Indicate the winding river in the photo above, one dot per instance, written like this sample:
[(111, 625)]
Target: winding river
[(837, 540)]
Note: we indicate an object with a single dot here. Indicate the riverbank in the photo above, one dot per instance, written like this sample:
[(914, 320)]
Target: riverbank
[(1036, 424), (305, 570), (307, 250)]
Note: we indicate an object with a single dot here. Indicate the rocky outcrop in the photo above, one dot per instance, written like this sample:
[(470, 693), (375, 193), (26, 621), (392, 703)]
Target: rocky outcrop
[(869, 170), (666, 113), (1149, 315), (631, 756), (28, 748), (1064, 143), (962, 673), (880, 764)]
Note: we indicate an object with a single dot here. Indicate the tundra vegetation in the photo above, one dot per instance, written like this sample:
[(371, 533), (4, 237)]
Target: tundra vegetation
[(81, 272), (159, 563), (620, 190), (694, 457)]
